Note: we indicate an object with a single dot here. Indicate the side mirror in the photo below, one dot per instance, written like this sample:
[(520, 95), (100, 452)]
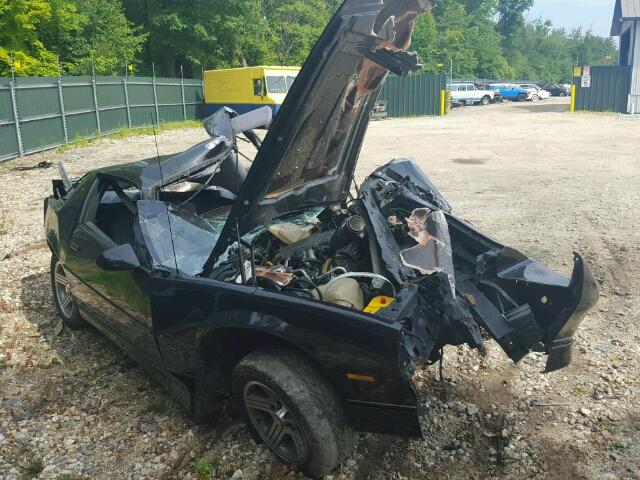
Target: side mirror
[(119, 259)]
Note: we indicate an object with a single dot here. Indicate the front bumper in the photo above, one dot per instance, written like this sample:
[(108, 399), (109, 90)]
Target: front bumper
[(584, 290)]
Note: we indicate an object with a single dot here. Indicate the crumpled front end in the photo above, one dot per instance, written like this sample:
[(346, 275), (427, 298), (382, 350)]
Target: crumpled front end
[(456, 282)]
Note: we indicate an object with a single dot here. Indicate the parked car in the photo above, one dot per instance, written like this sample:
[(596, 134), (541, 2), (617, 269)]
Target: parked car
[(535, 93), (268, 284), (469, 94), (555, 89), (510, 91)]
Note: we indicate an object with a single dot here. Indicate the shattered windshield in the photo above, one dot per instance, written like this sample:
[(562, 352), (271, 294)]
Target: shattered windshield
[(177, 238)]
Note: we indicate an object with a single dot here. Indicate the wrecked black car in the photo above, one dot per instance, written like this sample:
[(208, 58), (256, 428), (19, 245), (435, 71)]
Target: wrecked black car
[(275, 284)]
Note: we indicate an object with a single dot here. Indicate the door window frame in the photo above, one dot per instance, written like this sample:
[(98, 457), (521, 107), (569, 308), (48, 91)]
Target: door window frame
[(92, 203)]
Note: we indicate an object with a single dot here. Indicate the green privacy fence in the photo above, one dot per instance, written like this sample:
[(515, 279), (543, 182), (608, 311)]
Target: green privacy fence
[(414, 95), (38, 113), (607, 91)]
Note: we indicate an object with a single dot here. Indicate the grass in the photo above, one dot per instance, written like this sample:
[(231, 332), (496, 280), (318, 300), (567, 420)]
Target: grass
[(128, 132), (610, 426), (581, 390), (31, 463), (205, 469)]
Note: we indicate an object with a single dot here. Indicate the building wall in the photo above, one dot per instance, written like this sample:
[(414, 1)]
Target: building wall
[(634, 94)]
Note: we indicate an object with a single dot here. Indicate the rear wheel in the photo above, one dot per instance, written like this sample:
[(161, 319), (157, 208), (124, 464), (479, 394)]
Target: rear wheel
[(535, 97), (291, 408), (485, 101), (65, 304)]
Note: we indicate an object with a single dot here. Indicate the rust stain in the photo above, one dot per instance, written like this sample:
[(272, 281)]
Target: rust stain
[(5, 307), (281, 278)]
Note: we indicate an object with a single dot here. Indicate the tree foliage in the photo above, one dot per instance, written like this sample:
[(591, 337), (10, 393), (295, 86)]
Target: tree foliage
[(478, 38), (20, 43)]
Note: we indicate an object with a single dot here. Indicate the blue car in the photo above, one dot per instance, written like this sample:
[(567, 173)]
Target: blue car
[(510, 91)]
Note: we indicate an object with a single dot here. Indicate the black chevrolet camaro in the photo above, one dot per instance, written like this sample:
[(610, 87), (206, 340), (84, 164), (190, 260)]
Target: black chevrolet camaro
[(276, 285)]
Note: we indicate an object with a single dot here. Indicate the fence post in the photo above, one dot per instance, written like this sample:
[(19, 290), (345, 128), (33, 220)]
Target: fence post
[(126, 100), (16, 117), (155, 94), (184, 105), (572, 106), (95, 103), (62, 111)]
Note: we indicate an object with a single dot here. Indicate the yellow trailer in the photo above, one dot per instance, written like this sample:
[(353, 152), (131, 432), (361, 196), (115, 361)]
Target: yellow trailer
[(245, 89)]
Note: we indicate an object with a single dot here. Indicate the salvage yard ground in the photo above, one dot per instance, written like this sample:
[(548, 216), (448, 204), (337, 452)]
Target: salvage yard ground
[(532, 175)]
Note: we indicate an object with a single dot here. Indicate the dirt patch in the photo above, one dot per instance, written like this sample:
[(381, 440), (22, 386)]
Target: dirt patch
[(469, 161)]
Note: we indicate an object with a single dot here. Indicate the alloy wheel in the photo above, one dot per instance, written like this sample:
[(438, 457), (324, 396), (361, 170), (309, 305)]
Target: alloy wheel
[(275, 423), (63, 294)]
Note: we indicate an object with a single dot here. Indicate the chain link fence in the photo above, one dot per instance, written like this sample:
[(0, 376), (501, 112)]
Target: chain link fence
[(39, 113)]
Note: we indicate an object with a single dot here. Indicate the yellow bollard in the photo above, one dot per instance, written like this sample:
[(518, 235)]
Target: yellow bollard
[(443, 96), (572, 108)]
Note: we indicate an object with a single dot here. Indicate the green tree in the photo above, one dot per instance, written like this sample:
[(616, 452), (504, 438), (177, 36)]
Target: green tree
[(200, 33), (109, 42), (461, 32), (294, 26), (19, 38), (511, 18), (424, 42), (61, 32)]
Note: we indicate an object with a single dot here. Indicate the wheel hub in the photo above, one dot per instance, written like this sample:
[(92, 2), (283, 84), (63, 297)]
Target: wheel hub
[(275, 423), (63, 291)]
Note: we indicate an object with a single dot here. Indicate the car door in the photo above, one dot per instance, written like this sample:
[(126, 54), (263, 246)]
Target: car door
[(116, 302), (464, 96), (454, 92)]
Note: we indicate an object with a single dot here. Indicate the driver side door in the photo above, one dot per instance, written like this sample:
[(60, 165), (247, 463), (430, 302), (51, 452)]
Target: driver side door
[(116, 302)]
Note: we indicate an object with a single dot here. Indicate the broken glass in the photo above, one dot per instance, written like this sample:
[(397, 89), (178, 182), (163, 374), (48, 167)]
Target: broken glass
[(177, 238)]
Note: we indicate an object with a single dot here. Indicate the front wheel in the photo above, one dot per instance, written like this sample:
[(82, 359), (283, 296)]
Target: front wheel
[(291, 408), (535, 98), (65, 303), (522, 97)]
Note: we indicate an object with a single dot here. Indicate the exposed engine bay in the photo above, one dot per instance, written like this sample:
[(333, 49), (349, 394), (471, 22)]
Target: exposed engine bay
[(397, 252), (322, 255)]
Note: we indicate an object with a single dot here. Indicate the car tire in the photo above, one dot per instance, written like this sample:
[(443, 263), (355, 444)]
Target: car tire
[(522, 97), (280, 394), (485, 101), (535, 97), (65, 303)]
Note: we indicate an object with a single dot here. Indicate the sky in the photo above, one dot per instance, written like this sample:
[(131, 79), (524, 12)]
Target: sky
[(594, 14)]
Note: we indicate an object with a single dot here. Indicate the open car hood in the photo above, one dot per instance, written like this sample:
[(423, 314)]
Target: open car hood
[(309, 154)]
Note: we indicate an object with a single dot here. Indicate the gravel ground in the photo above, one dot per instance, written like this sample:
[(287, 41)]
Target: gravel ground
[(531, 175)]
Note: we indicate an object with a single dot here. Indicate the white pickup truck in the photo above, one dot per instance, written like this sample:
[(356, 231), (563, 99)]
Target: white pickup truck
[(469, 94)]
